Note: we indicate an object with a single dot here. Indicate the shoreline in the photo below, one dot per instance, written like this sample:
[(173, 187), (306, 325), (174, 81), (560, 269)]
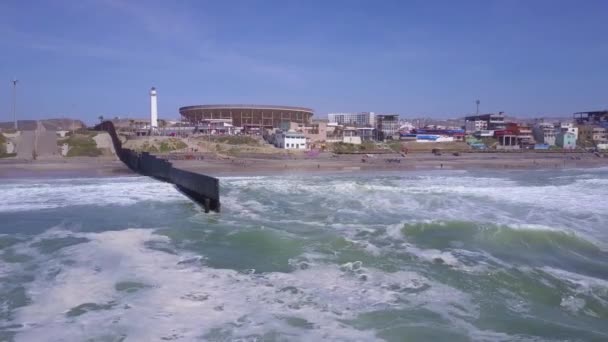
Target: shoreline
[(63, 168), (327, 164)]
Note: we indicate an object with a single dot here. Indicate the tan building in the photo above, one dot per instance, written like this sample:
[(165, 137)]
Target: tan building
[(315, 131), (592, 135)]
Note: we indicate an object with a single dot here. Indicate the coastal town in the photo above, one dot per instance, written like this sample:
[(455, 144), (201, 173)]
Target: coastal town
[(271, 129)]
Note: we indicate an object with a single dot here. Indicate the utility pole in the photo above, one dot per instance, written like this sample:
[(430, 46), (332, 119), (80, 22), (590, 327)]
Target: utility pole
[(477, 103), (15, 102)]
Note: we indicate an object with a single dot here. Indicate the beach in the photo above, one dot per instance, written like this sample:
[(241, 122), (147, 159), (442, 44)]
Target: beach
[(261, 164)]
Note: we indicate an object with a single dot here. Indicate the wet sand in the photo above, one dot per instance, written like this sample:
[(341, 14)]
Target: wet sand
[(323, 163), (63, 168), (393, 162)]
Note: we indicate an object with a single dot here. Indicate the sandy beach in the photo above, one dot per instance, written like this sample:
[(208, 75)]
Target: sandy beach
[(63, 168), (323, 163)]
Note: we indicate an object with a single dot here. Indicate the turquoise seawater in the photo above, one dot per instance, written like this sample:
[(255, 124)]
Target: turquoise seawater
[(428, 256)]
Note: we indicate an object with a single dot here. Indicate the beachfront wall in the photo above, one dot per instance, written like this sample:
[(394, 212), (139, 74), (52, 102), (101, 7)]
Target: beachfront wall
[(200, 188)]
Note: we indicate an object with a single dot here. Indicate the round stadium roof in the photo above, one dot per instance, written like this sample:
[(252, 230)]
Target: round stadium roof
[(247, 115), (245, 106)]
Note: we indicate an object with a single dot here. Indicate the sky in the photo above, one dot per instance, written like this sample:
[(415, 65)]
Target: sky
[(86, 58)]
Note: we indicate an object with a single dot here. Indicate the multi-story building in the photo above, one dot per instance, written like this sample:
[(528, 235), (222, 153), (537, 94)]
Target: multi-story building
[(544, 133), (590, 134), (566, 140), (567, 127), (387, 126), (366, 133), (598, 117), (363, 119), (525, 135), (475, 126), (492, 121), (316, 131)]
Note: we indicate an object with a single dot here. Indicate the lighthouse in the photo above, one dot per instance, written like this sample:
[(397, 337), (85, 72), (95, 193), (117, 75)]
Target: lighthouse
[(153, 109)]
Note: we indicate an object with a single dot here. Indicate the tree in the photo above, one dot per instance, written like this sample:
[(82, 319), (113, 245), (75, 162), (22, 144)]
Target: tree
[(100, 118)]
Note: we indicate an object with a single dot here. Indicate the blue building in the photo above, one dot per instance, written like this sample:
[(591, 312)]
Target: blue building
[(566, 140)]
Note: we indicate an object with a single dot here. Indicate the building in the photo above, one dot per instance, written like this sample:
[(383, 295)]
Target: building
[(544, 133), (567, 127), (249, 117), (216, 126), (591, 135), (351, 136), (475, 126), (599, 117), (566, 140), (525, 134), (366, 133), (492, 121), (290, 140), (507, 142), (387, 126), (363, 119), (316, 131)]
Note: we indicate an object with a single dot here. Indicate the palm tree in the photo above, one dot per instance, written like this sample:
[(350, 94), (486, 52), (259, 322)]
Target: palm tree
[(100, 118)]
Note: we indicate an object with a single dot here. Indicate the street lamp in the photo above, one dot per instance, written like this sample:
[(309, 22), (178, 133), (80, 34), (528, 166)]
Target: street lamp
[(15, 102)]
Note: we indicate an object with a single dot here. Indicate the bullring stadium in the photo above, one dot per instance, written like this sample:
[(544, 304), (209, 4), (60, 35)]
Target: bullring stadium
[(247, 116)]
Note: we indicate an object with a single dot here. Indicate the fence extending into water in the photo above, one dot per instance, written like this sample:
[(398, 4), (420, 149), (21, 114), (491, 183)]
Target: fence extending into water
[(202, 189)]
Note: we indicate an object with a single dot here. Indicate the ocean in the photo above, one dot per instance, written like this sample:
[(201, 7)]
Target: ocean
[(416, 256)]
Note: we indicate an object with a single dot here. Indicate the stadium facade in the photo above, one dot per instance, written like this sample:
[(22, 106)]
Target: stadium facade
[(247, 116)]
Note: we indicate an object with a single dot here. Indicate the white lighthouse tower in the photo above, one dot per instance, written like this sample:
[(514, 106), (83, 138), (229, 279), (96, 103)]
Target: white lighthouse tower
[(153, 109)]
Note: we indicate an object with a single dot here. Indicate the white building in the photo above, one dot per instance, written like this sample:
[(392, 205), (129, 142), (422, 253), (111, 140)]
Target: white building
[(290, 140), (364, 119), (544, 132), (476, 126), (568, 127)]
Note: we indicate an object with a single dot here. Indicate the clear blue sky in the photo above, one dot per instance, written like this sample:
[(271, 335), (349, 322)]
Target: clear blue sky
[(85, 58)]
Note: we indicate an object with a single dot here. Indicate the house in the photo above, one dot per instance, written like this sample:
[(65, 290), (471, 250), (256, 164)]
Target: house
[(290, 140), (566, 140), (590, 134), (544, 133)]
